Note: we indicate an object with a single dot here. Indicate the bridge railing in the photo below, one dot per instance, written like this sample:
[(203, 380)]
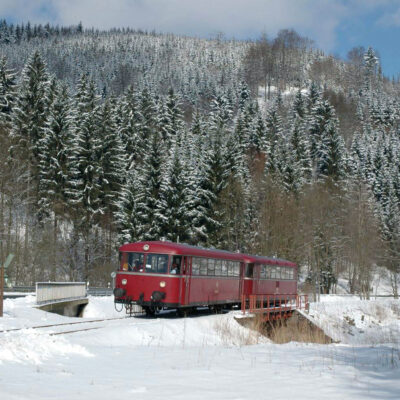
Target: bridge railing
[(99, 291), (47, 292), (274, 306)]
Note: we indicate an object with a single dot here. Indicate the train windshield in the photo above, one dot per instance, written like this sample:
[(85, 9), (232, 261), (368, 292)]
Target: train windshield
[(157, 263), (132, 262)]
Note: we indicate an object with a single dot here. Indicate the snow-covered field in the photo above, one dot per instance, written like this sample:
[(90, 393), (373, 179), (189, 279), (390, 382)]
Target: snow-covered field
[(201, 357)]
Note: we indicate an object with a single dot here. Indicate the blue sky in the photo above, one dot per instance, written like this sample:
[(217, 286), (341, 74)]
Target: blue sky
[(335, 25)]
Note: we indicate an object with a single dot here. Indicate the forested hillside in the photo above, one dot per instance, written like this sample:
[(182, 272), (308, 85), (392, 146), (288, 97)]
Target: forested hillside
[(268, 147)]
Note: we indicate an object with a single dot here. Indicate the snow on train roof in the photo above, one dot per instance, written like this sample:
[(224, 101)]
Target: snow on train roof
[(183, 248)]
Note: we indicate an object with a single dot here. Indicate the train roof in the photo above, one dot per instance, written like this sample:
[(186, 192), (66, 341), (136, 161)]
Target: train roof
[(180, 249), (166, 247), (267, 260)]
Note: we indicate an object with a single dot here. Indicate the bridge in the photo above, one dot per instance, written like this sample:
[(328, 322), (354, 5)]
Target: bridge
[(65, 298)]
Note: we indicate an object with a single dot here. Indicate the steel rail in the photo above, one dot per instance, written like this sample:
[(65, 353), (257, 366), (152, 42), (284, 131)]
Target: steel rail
[(63, 324)]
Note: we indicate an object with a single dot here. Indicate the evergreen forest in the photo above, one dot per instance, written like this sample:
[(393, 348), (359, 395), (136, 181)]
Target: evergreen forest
[(267, 147)]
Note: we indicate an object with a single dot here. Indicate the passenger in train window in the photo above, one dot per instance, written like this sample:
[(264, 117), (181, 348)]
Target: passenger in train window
[(174, 268), (137, 266)]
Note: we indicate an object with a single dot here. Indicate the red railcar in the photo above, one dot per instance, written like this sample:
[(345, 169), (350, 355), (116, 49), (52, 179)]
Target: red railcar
[(162, 275)]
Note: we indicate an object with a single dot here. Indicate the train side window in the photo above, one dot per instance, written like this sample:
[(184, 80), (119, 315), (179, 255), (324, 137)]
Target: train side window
[(176, 265), (249, 270), (218, 267), (263, 271), (230, 268), (278, 272), (236, 268), (157, 263), (195, 266), (203, 266), (224, 268), (211, 267)]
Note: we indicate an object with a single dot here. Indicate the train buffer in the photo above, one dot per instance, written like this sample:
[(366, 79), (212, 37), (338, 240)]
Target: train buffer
[(273, 306)]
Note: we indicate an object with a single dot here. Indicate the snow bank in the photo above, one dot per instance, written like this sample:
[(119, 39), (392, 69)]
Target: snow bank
[(359, 322), (29, 346), (205, 356), (102, 307)]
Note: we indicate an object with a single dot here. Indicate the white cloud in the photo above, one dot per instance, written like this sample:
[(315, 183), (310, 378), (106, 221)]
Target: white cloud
[(317, 19), (390, 19)]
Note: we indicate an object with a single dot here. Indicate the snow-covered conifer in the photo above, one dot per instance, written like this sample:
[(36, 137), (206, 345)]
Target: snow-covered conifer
[(30, 118), (7, 92), (56, 146)]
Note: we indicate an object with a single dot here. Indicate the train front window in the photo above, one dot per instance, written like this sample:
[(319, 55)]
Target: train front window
[(123, 262), (135, 262), (131, 261), (157, 263)]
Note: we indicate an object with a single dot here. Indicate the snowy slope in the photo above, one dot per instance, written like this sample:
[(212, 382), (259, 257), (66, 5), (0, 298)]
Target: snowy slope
[(204, 357), (354, 321)]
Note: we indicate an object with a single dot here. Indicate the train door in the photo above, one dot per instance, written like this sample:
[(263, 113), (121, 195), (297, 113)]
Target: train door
[(257, 286), (241, 284), (248, 279), (185, 281)]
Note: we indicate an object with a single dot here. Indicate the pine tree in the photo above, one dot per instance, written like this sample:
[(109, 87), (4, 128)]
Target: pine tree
[(149, 202), (314, 96), (299, 108), (327, 147), (86, 169), (332, 154), (258, 134), (300, 152), (126, 215), (370, 69), (129, 127), (273, 138), (30, 119), (54, 176), (55, 154), (174, 208), (86, 155), (201, 195), (244, 95), (147, 124), (111, 156), (7, 92)]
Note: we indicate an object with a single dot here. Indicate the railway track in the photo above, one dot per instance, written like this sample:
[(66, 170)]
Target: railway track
[(167, 315), (65, 324)]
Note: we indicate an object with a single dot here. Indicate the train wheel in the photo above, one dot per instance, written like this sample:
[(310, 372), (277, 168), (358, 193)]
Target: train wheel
[(182, 312), (149, 311), (217, 309)]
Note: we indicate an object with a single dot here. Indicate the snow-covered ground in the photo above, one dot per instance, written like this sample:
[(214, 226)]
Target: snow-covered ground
[(201, 357), (359, 322)]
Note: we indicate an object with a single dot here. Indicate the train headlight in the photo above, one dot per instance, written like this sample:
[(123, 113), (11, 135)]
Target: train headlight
[(124, 281), (162, 284)]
